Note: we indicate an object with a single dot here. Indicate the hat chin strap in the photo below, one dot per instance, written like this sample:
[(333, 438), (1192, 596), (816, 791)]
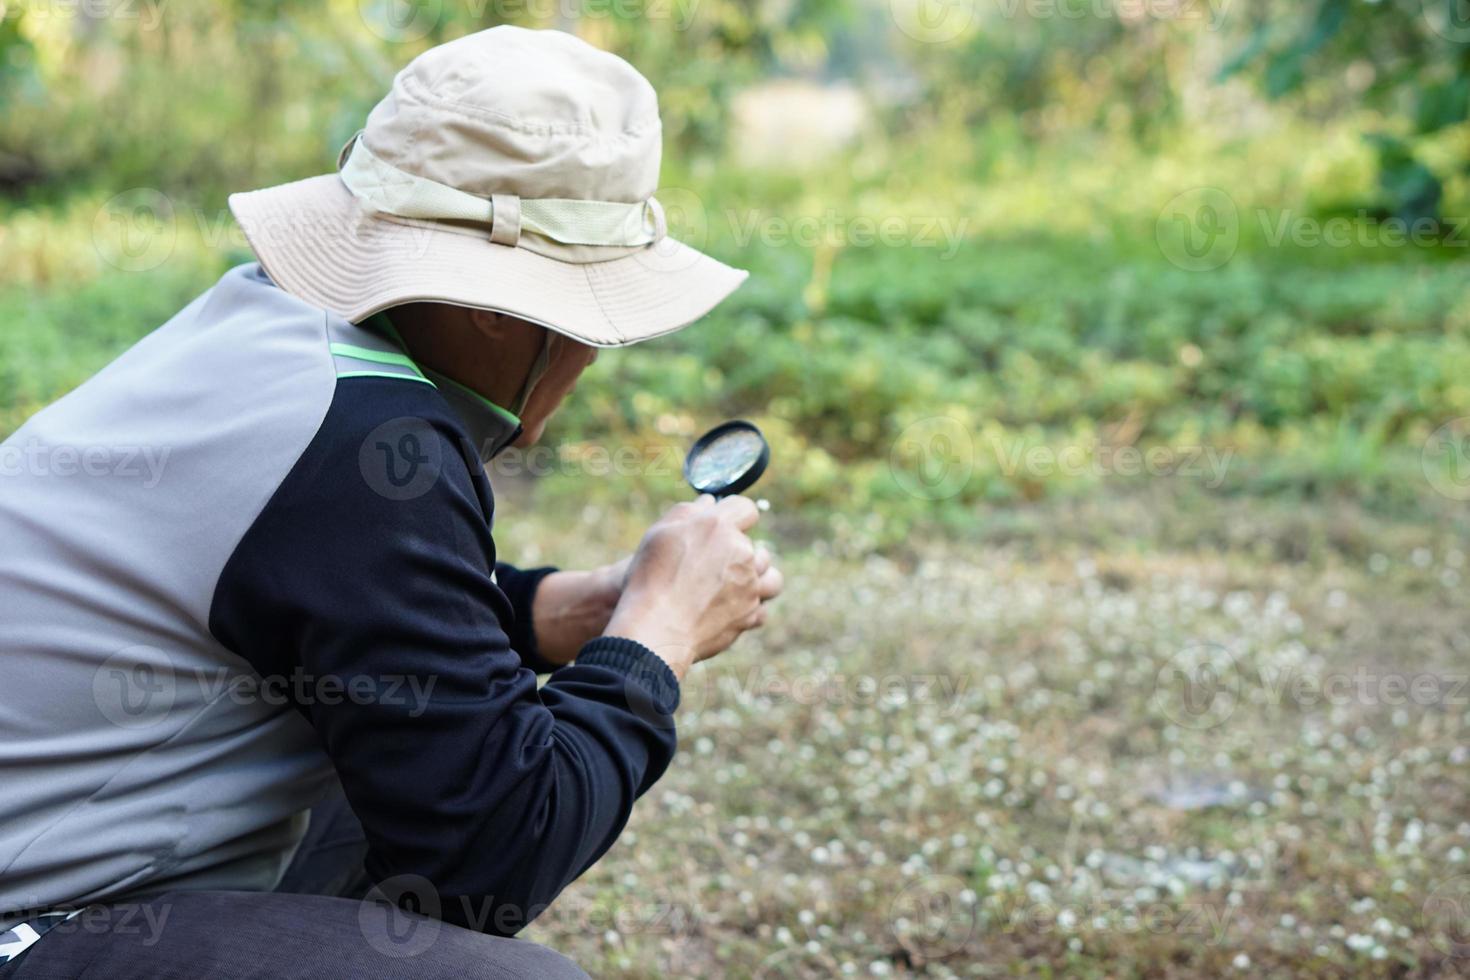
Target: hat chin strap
[(503, 426), (537, 372), (569, 221)]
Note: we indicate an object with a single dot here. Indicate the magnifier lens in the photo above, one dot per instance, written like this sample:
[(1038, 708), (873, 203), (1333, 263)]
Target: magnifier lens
[(727, 459)]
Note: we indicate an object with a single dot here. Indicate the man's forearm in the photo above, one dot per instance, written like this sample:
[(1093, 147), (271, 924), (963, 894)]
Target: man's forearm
[(571, 608)]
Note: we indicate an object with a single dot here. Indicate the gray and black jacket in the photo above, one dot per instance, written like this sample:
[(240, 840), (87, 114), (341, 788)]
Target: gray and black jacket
[(253, 557)]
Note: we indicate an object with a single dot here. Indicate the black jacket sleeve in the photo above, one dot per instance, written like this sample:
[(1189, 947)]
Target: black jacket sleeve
[(519, 586), (369, 573)]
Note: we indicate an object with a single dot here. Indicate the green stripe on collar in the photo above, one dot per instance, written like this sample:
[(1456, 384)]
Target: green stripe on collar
[(476, 396), (381, 324)]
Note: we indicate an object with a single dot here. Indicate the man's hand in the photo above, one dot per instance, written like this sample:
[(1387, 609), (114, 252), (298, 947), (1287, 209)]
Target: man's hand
[(571, 608), (696, 582)]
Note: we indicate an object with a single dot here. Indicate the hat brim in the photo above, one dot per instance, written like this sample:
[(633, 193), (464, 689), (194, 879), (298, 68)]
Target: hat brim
[(318, 243)]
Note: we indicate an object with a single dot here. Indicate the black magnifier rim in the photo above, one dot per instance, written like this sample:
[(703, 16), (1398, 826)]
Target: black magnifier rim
[(747, 479)]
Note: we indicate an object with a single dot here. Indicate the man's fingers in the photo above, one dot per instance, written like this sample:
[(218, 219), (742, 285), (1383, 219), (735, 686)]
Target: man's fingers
[(703, 502), (755, 620), (770, 583), (741, 510), (762, 560)]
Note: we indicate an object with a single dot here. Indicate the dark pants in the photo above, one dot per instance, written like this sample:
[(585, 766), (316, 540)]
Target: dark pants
[(313, 927)]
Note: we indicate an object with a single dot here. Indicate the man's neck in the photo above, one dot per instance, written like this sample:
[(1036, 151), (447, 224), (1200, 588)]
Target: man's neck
[(455, 348)]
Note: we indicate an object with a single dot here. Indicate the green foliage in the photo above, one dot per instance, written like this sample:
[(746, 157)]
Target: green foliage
[(1319, 377), (1050, 321), (53, 340), (1407, 52)]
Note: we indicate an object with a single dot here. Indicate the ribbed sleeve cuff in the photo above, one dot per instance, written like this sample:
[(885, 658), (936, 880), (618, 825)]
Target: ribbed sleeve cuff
[(640, 664), (520, 588)]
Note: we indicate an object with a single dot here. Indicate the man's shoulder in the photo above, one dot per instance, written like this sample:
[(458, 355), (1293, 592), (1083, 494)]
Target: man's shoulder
[(395, 438)]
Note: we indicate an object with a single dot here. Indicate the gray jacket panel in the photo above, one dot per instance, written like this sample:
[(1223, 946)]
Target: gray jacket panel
[(123, 756)]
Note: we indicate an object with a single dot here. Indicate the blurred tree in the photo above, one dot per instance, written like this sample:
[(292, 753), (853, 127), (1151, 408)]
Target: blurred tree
[(17, 78), (205, 100), (1058, 72), (1412, 55)]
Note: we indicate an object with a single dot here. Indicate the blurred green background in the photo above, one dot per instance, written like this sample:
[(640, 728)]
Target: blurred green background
[(1089, 327), (1064, 223)]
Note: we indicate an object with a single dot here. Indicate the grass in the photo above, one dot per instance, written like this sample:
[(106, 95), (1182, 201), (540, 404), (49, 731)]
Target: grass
[(958, 761)]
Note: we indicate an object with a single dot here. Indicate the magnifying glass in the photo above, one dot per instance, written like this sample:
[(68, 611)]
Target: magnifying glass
[(727, 459)]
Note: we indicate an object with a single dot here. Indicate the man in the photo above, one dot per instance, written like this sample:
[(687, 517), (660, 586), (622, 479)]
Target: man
[(302, 603)]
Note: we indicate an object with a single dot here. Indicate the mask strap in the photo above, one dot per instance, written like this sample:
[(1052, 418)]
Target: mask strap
[(538, 371)]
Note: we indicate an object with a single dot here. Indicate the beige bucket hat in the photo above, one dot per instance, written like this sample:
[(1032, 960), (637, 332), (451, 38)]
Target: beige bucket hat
[(510, 170)]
